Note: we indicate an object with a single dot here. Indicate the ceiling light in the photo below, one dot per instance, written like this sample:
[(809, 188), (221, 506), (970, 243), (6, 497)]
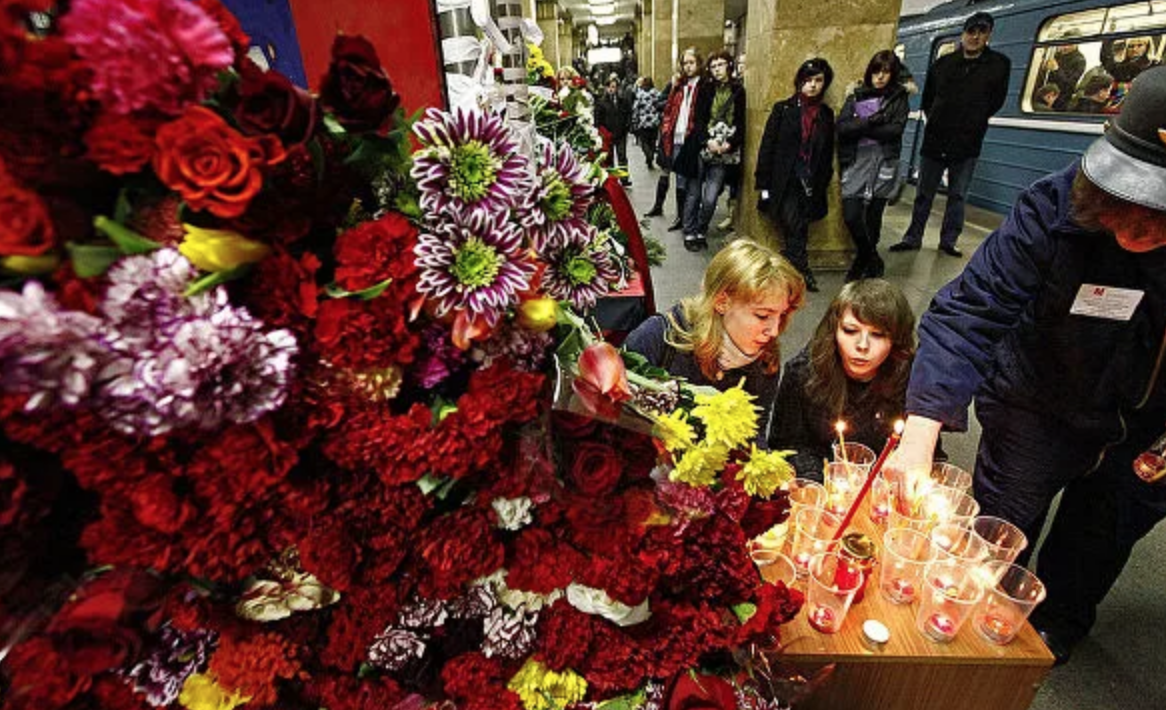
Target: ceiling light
[(605, 21), (603, 10)]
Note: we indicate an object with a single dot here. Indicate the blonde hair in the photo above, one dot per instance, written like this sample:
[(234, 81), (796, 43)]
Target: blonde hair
[(744, 271)]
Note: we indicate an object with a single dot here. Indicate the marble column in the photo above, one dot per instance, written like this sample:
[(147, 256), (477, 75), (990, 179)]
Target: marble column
[(662, 60), (780, 35), (547, 16)]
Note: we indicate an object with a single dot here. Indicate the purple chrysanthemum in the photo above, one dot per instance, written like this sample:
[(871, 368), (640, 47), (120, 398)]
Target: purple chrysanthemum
[(46, 351), (561, 198), (580, 268), (185, 361), (469, 160), (176, 656), (474, 262)]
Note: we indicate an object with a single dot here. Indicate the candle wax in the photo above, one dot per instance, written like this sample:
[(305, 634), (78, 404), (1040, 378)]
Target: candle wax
[(997, 625), (901, 590), (940, 626), (823, 619)]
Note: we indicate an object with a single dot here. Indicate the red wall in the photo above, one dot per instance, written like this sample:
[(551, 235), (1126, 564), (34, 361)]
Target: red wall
[(404, 33)]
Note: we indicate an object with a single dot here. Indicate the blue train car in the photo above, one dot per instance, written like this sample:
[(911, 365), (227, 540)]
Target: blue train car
[(1072, 45)]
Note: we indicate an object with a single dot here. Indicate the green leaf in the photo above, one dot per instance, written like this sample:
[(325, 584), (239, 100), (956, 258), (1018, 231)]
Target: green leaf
[(744, 611), (123, 208), (367, 294), (215, 278), (366, 670), (319, 162), (129, 241), (429, 483), (333, 125), (624, 702), (92, 259)]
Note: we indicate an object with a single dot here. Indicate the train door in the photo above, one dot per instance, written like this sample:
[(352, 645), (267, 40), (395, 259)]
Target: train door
[(942, 45)]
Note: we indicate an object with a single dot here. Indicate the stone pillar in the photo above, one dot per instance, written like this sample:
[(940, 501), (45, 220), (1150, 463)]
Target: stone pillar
[(547, 16), (663, 62), (780, 35), (700, 24), (566, 41)]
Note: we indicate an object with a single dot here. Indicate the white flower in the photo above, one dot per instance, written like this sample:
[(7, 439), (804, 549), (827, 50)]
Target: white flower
[(267, 600), (516, 598), (595, 601), (513, 513)]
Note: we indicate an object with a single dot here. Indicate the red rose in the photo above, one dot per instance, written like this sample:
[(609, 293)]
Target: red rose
[(596, 469), (705, 692), (270, 103), (356, 88), (120, 144), (212, 165), (25, 226)]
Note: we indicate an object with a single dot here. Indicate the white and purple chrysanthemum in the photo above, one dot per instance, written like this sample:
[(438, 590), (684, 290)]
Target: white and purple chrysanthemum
[(180, 361), (580, 268), (561, 198), (473, 261), (46, 351), (469, 159), (175, 656)]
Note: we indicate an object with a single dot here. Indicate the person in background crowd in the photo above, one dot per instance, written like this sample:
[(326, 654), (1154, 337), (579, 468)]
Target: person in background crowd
[(646, 117), (870, 138), (674, 153), (1125, 59), (1064, 70), (613, 111), (796, 161), (735, 172), (1056, 329), (720, 133), (1094, 94), (854, 369), (1046, 98), (962, 91), (732, 328)]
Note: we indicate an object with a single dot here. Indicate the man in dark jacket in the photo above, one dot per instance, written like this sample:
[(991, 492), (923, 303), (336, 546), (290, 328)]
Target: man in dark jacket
[(962, 92), (613, 111), (1057, 329)]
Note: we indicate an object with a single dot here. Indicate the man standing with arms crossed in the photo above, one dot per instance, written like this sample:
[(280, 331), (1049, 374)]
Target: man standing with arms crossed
[(962, 92)]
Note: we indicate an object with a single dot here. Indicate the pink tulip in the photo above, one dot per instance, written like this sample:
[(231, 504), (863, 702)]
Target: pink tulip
[(602, 383)]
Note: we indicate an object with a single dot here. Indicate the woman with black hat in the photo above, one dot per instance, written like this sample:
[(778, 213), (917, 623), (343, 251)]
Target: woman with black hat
[(796, 161)]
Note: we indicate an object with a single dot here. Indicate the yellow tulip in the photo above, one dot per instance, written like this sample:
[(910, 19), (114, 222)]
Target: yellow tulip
[(30, 265), (220, 249), (538, 314)]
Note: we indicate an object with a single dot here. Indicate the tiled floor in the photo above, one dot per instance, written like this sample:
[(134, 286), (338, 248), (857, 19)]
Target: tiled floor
[(1120, 667)]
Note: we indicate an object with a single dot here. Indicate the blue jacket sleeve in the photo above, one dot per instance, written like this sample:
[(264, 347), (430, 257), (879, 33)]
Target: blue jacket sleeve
[(648, 339), (971, 315)]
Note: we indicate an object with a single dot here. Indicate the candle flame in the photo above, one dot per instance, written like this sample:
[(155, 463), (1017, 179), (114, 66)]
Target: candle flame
[(840, 426), (899, 426)]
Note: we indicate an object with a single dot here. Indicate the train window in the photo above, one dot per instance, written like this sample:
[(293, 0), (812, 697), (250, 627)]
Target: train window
[(1082, 63)]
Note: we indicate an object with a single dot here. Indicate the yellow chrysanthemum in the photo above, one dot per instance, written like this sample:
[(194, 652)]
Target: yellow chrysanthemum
[(674, 430), (201, 692), (540, 688), (729, 417), (765, 472), (700, 465)]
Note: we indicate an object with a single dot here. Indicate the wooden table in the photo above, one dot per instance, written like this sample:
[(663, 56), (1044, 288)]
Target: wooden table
[(910, 672)]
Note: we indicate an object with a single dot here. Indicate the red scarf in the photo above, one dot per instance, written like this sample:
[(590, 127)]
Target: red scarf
[(810, 107)]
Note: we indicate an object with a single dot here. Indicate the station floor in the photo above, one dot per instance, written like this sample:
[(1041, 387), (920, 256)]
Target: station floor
[(1120, 666)]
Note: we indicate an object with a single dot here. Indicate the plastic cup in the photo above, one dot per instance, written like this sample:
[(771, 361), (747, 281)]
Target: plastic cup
[(1008, 602), (814, 530), (1005, 540), (906, 553), (843, 482), (774, 566), (830, 591), (880, 501), (857, 454), (955, 541), (950, 592), (938, 505), (952, 476), (805, 493)]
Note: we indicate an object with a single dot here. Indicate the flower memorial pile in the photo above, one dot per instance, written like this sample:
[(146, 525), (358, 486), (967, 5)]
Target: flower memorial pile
[(275, 414)]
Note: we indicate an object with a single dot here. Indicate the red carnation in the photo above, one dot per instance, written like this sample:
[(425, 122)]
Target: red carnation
[(330, 553), (250, 666), (347, 692), (120, 143), (283, 291), (365, 336), (472, 674), (39, 678), (375, 251), (541, 564), (458, 549), (564, 636)]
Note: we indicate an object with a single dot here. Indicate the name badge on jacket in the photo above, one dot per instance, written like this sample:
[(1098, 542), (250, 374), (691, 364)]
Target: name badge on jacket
[(1109, 302)]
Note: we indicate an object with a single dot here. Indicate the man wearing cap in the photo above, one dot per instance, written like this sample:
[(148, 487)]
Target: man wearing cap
[(1057, 329), (962, 92)]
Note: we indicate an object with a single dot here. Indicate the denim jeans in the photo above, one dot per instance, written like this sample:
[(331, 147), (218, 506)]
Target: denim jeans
[(959, 179), (700, 204)]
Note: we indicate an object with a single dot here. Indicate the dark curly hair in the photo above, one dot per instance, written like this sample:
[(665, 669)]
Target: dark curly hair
[(813, 67)]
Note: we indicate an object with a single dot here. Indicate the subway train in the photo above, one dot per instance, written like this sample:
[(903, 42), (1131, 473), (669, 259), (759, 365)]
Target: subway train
[(1072, 61)]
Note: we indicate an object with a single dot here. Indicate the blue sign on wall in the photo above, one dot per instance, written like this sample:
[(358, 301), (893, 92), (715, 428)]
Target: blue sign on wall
[(273, 36)]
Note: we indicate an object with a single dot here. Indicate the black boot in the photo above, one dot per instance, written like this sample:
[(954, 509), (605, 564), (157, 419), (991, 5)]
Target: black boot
[(681, 195), (857, 270), (661, 195), (811, 282), (875, 268)]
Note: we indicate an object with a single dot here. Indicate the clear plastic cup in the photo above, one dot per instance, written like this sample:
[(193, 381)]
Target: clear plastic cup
[(1008, 602), (857, 454), (805, 493), (814, 530), (952, 476), (1005, 540), (843, 482), (959, 542), (906, 553), (774, 566), (833, 583), (880, 501), (950, 592)]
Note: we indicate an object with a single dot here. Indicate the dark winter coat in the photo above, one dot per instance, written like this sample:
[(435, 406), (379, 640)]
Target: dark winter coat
[(683, 161), (778, 156), (885, 126), (959, 97), (614, 112), (1003, 332), (704, 109)]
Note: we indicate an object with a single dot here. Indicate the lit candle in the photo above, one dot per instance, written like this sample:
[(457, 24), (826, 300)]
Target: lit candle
[(892, 442), (901, 590), (840, 426), (822, 618), (940, 626)]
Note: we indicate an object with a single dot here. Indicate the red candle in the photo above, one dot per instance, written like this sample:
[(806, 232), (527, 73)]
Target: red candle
[(822, 618), (892, 442), (940, 626)]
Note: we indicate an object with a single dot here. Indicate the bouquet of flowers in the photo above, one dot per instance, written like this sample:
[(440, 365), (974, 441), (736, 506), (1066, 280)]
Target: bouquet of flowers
[(274, 416)]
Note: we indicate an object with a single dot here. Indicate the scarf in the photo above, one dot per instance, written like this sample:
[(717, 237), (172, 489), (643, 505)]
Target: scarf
[(732, 357), (810, 108)]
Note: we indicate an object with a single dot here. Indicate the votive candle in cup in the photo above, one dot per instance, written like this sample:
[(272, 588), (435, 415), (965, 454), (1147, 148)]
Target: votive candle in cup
[(1009, 598), (804, 493), (880, 501), (858, 455), (774, 566), (830, 591), (959, 542), (842, 481), (951, 590), (813, 534), (906, 553), (952, 476), (1005, 540)]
